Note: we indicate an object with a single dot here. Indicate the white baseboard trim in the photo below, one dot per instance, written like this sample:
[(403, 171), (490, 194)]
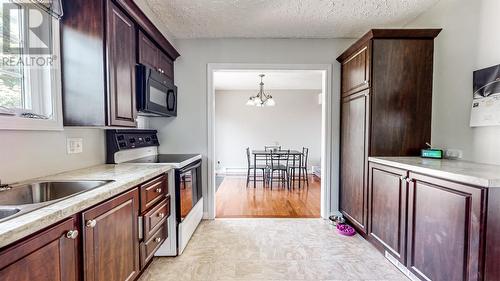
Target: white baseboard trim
[(243, 172)]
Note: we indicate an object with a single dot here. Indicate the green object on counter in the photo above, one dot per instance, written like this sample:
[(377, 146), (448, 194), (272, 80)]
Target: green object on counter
[(432, 153)]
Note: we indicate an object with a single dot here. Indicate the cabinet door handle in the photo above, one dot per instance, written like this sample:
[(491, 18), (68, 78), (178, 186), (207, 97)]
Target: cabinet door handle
[(402, 178), (158, 190), (408, 180), (72, 234), (91, 223), (157, 239), (161, 215)]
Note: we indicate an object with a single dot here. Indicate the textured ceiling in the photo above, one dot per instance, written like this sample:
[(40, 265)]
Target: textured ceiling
[(283, 18), (274, 80)]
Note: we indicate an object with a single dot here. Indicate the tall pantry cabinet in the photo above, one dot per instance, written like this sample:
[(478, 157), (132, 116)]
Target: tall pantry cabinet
[(386, 107)]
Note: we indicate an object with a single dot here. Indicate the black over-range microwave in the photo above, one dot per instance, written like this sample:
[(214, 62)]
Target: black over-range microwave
[(156, 93)]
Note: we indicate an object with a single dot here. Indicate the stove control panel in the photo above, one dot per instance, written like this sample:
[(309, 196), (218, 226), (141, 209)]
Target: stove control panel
[(117, 140)]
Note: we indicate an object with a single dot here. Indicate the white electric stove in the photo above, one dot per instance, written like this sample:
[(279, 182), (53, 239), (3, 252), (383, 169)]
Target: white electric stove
[(141, 146)]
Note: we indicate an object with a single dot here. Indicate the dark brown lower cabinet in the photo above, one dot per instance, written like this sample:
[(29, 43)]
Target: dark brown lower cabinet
[(444, 229), (110, 239), (51, 255), (108, 233), (387, 205), (433, 227)]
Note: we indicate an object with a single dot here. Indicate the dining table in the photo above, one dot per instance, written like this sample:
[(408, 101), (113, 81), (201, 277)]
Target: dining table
[(266, 153)]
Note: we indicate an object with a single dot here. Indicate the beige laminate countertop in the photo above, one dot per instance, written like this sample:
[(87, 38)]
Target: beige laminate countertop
[(466, 172), (125, 177)]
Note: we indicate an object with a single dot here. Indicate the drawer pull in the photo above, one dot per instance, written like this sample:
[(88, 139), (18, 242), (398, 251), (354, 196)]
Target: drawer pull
[(72, 234), (161, 215), (91, 223), (158, 190), (157, 239)]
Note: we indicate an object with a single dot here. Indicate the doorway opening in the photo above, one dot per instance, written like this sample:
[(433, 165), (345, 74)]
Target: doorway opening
[(269, 159)]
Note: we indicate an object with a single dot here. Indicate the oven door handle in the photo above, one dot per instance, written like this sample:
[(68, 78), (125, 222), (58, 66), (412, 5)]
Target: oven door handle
[(195, 165)]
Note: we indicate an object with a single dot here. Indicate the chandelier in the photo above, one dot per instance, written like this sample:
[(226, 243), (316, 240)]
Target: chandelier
[(261, 99)]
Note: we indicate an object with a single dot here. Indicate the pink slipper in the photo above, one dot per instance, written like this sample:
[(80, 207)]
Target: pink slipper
[(345, 229)]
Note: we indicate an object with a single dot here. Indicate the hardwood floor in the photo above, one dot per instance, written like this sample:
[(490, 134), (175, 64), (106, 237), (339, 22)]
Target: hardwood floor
[(235, 200)]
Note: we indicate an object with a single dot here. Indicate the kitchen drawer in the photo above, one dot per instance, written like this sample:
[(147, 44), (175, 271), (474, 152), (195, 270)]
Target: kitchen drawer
[(153, 192), (149, 247), (156, 217)]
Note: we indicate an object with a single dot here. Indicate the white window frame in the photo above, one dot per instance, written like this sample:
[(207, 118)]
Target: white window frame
[(56, 122)]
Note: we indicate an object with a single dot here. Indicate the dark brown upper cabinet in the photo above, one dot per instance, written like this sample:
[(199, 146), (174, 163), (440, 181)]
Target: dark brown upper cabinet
[(148, 52), (101, 44), (121, 46), (356, 71), (166, 65), (392, 68), (154, 57)]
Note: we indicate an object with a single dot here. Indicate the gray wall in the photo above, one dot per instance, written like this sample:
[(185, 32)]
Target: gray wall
[(469, 41), (188, 132), (29, 154)]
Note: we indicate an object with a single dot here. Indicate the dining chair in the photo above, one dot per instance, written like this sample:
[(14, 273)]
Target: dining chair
[(300, 163), (271, 148), (279, 168), (254, 166)]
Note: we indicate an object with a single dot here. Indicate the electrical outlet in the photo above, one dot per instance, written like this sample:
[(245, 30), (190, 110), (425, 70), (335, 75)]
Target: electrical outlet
[(74, 145), (453, 154)]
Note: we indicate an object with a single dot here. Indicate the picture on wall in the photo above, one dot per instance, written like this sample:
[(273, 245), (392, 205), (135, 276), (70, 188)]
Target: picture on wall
[(486, 97)]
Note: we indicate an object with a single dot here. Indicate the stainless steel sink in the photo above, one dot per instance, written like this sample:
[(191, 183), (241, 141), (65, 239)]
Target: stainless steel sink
[(23, 198), (5, 213)]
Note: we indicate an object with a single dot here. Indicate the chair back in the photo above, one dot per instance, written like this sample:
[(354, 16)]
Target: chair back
[(271, 148), (305, 156), (248, 156), (280, 158)]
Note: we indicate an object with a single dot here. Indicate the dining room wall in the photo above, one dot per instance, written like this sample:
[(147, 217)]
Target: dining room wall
[(294, 122)]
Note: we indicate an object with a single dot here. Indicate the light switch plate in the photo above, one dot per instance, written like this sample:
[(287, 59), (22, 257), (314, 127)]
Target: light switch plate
[(74, 145)]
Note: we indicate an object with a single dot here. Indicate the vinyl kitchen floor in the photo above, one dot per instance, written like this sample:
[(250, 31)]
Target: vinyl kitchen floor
[(273, 249)]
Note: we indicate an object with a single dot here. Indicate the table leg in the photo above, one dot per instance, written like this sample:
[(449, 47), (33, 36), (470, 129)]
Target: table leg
[(255, 171)]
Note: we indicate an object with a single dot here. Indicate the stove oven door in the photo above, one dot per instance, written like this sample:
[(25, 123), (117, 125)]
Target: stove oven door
[(188, 189)]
